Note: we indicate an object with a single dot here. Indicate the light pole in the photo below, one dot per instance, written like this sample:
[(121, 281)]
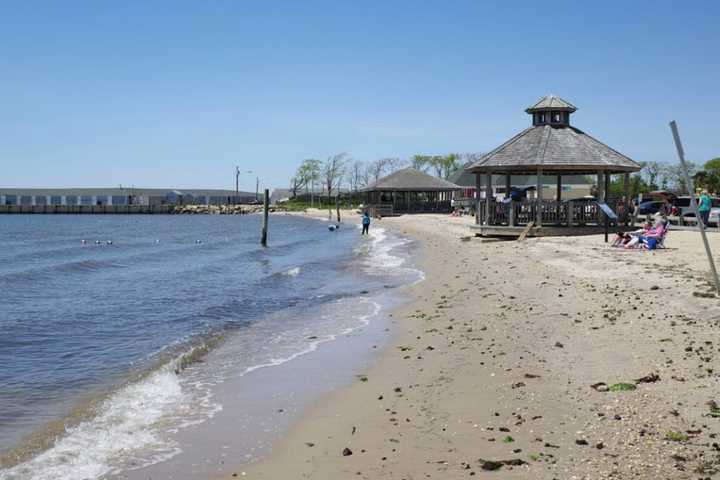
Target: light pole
[(237, 182)]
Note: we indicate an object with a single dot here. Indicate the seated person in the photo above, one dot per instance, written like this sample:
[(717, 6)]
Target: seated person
[(655, 233), (623, 238)]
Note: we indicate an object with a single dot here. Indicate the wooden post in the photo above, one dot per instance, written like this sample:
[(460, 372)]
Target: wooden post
[(626, 197), (511, 214), (538, 199), (337, 206), (488, 196), (477, 198), (558, 192), (605, 201), (571, 213), (266, 209), (508, 186)]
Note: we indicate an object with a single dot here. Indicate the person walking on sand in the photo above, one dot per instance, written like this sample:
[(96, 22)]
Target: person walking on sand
[(704, 207), (365, 224)]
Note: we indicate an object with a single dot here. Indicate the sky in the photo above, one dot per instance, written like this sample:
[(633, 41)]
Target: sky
[(179, 93)]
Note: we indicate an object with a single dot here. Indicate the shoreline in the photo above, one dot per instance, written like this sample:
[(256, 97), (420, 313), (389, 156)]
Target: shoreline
[(492, 366)]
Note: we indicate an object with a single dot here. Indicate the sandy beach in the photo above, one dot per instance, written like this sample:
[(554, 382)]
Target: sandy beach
[(550, 358)]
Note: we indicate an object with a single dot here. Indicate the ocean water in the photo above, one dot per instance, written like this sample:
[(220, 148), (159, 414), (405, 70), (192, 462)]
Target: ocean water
[(120, 335)]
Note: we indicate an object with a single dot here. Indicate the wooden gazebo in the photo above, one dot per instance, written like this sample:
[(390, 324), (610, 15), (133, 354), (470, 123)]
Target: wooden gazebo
[(551, 147), (409, 191)]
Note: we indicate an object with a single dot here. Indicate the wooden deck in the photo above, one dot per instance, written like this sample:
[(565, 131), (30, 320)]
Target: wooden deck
[(543, 231)]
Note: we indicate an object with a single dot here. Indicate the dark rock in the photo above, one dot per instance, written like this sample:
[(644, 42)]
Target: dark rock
[(651, 378), (310, 444), (581, 441), (559, 345), (346, 452), (600, 446)]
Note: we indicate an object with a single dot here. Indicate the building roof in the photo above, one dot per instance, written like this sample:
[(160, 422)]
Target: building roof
[(553, 148), (462, 177), (551, 102), (411, 180)]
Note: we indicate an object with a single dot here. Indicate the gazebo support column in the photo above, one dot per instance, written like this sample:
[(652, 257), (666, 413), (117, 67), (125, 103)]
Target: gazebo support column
[(511, 205), (477, 198), (488, 195), (538, 199), (558, 191), (626, 198)]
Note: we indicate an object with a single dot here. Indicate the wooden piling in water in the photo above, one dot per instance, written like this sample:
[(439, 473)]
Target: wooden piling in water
[(266, 209), (337, 207)]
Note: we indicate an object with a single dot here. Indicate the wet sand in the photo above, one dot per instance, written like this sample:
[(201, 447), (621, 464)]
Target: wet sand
[(501, 367)]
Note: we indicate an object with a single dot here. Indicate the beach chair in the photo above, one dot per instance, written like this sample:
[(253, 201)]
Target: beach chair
[(659, 241)]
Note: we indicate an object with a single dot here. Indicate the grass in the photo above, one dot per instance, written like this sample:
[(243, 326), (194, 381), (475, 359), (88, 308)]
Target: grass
[(676, 436), (508, 439), (622, 387), (362, 378)]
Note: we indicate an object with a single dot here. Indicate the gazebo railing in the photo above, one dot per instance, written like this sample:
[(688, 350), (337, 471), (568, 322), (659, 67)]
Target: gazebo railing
[(553, 212)]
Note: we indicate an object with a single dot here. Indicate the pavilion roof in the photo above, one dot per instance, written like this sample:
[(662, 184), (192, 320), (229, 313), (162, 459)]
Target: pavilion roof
[(553, 149), (411, 180), (551, 102)]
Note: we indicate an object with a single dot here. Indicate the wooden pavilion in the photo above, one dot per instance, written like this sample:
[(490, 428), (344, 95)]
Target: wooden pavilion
[(409, 191), (551, 146)]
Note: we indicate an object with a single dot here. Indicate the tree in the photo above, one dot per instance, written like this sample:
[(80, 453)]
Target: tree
[(713, 165), (420, 162), (356, 175), (333, 170), (450, 163), (651, 171), (309, 173), (376, 169), (296, 183)]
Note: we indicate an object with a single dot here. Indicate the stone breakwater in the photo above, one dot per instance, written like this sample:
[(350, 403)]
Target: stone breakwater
[(219, 209)]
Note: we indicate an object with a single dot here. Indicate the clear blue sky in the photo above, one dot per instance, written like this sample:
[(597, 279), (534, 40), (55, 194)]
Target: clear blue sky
[(172, 93)]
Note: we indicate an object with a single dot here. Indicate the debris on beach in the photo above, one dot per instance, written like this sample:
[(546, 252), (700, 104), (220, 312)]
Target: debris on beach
[(491, 465)]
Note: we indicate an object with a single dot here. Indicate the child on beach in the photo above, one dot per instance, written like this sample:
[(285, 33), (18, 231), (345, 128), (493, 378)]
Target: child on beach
[(365, 224)]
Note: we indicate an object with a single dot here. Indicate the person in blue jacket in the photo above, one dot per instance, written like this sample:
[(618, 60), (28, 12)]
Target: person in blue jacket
[(366, 224)]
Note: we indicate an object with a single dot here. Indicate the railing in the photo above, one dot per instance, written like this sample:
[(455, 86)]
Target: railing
[(553, 212)]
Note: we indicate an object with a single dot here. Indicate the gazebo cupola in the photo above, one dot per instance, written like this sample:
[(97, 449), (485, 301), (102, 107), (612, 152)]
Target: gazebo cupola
[(551, 110)]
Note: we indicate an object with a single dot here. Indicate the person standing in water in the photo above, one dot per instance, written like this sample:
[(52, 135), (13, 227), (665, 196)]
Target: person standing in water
[(366, 224)]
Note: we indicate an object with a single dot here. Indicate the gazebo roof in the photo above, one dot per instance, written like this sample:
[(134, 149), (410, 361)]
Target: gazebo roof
[(551, 148), (462, 177), (551, 102), (411, 180)]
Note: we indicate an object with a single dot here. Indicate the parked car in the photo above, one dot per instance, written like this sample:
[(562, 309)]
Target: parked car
[(683, 204), (714, 218), (650, 207)]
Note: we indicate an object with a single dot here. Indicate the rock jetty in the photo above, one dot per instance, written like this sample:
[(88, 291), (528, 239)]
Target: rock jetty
[(219, 209)]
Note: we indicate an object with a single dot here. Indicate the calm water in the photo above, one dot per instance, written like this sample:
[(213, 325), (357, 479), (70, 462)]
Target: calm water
[(96, 337)]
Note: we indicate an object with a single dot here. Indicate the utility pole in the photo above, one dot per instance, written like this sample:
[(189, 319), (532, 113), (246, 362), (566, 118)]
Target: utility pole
[(257, 189), (237, 183)]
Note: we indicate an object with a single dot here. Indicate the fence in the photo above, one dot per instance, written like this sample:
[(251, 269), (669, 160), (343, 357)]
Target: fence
[(568, 213)]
